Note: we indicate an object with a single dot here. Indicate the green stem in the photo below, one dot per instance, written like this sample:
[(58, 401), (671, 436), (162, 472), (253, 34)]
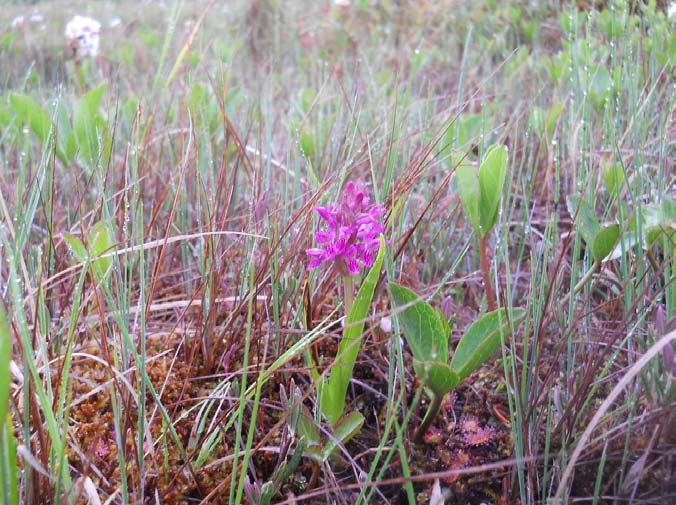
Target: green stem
[(348, 293), (578, 287), (595, 266), (431, 413), (79, 77)]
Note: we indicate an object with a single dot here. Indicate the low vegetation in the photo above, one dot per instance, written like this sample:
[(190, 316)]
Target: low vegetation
[(337, 252)]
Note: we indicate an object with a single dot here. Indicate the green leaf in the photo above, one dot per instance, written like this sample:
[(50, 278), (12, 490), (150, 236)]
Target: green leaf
[(613, 176), (605, 241), (332, 397), (658, 220), (308, 429), (6, 40), (77, 248), (9, 487), (425, 333), (467, 185), (439, 377), (307, 144), (267, 492), (553, 117), (467, 127), (444, 322), (31, 114), (492, 174), (8, 467), (280, 477), (306, 97), (346, 428), (5, 357), (481, 341), (601, 85), (100, 242), (585, 219), (90, 129)]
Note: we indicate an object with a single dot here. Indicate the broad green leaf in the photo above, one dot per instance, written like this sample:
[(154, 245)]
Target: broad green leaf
[(601, 85), (346, 428), (481, 340), (90, 103), (5, 116), (658, 220), (605, 241), (585, 219), (467, 185), (307, 144), (425, 333), (306, 96), (467, 128), (90, 129), (630, 239), (332, 398), (77, 248), (5, 357), (613, 176), (59, 111), (308, 429), (100, 242), (444, 322), (70, 146), (31, 114), (553, 117), (492, 174), (669, 209), (439, 377)]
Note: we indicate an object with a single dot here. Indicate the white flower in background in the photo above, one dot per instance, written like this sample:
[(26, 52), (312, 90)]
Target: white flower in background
[(342, 3), (82, 35), (114, 22), (36, 17), (671, 13), (18, 22)]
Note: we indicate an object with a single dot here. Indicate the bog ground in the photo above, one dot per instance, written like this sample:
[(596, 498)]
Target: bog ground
[(278, 251)]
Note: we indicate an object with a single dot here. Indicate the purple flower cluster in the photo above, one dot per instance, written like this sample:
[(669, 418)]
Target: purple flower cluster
[(353, 227)]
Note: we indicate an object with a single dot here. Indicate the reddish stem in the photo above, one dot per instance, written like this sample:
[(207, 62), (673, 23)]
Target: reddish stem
[(486, 273)]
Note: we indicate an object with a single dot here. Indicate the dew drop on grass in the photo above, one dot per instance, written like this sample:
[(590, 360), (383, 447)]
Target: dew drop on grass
[(26, 131)]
